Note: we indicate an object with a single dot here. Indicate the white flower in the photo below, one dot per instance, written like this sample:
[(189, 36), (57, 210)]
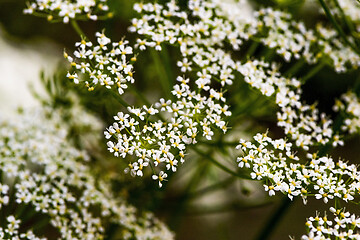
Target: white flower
[(67, 9), (161, 177), (112, 63), (53, 179)]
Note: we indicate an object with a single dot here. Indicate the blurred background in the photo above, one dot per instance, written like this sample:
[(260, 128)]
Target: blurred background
[(201, 201)]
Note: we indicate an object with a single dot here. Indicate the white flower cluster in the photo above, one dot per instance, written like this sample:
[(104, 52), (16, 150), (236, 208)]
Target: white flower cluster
[(292, 39), (68, 9), (343, 225), (350, 106), (200, 44), (214, 25), (351, 8), (301, 121), (169, 24), (11, 231), (193, 113), (163, 143), (4, 198), (47, 176), (274, 162), (108, 63), (199, 53)]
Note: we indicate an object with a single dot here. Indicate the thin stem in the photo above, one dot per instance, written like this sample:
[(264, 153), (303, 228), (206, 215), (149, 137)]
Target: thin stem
[(295, 67), (249, 104), (269, 54), (337, 203), (111, 231), (211, 188), (337, 26), (230, 208), (252, 49), (165, 84), (139, 95), (77, 28), (182, 201), (167, 65), (313, 71), (356, 87), (219, 143), (273, 221), (220, 165), (119, 99), (324, 149)]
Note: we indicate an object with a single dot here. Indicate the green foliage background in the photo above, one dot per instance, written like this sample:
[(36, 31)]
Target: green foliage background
[(239, 215)]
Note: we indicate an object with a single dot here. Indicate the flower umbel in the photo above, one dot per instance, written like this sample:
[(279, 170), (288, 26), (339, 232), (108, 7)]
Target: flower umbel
[(108, 64), (68, 9)]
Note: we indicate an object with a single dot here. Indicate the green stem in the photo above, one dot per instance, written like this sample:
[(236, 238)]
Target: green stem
[(324, 149), (236, 206), (219, 143), (337, 26), (356, 87), (119, 99), (337, 203), (313, 71), (295, 67), (181, 203), (221, 166), (139, 95), (111, 231), (269, 54), (77, 28), (167, 65), (211, 188), (252, 49), (248, 105), (165, 84), (273, 221)]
